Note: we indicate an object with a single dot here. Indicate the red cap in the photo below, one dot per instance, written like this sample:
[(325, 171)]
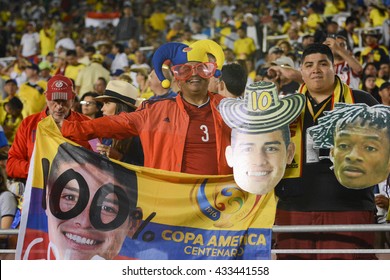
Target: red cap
[(59, 87)]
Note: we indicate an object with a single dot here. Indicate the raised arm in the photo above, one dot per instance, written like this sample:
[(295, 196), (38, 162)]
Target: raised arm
[(118, 127)]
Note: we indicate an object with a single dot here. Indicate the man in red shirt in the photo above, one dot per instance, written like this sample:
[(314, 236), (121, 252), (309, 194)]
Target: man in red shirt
[(182, 134), (59, 100)]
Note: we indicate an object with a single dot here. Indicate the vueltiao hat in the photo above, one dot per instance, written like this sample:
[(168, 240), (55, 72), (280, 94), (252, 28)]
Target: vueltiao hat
[(261, 110), (213, 48), (177, 53), (121, 91)]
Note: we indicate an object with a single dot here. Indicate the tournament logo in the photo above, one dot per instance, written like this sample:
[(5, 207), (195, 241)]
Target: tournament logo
[(225, 204)]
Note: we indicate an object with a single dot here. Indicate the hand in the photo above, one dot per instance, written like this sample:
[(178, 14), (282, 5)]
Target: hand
[(103, 149), (332, 44), (382, 201), (285, 73), (109, 151)]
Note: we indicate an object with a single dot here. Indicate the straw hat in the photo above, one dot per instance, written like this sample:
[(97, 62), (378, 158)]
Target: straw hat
[(261, 110), (121, 91)]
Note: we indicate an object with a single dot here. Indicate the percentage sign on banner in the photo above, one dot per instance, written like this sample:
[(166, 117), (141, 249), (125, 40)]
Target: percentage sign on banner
[(148, 235)]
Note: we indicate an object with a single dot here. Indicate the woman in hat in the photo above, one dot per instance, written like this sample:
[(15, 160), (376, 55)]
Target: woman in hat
[(120, 96), (373, 51)]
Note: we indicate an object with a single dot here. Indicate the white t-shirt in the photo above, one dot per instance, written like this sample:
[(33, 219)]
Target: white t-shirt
[(29, 44)]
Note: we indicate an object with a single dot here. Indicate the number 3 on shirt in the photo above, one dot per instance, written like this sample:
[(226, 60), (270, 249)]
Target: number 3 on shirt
[(205, 130)]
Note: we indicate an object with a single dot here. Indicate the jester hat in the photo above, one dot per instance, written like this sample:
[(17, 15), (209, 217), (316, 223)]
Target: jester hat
[(213, 48), (179, 53)]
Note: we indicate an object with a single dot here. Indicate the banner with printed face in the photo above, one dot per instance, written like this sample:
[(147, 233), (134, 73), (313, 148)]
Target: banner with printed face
[(81, 205)]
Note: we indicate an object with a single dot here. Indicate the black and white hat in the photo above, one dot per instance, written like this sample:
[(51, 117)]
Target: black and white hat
[(261, 110)]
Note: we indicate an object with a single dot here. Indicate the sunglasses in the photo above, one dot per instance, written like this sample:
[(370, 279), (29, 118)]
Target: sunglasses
[(184, 71), (87, 103)]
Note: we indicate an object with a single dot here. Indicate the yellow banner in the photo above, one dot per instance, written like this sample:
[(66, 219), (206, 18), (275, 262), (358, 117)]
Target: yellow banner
[(81, 205)]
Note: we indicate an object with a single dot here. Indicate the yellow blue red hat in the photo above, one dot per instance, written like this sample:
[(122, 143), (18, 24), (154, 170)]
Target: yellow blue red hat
[(177, 53), (211, 47)]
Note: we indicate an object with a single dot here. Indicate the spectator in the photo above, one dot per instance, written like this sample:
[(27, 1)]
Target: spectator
[(382, 201), (44, 70), (373, 51), (127, 27), (8, 207), (384, 72), (89, 106), (29, 45), (142, 80), (59, 99), (254, 31), (368, 84), (89, 75), (273, 54), (309, 187), (73, 67), (47, 37), (347, 66), (139, 63), (370, 70), (313, 20), (349, 31), (232, 81), (377, 14), (244, 46), (105, 50), (60, 64), (229, 56), (155, 85), (65, 42), (12, 118), (196, 143), (384, 93), (285, 85), (31, 93), (10, 89), (120, 61), (100, 85), (118, 98)]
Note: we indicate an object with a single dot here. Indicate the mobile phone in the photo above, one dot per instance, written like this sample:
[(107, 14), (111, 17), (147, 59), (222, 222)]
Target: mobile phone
[(93, 143)]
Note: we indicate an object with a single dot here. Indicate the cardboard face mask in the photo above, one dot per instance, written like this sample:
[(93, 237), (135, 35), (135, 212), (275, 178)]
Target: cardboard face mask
[(359, 142), (261, 145)]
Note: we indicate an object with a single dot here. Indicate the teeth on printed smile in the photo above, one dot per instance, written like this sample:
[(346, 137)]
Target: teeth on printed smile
[(250, 173), (80, 240)]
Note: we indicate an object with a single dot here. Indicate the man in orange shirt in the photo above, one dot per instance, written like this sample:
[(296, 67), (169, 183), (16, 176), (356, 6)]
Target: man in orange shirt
[(185, 134)]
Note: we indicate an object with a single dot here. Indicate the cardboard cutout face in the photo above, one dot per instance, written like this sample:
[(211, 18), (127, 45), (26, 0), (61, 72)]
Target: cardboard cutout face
[(261, 145), (358, 137), (361, 156), (259, 160)]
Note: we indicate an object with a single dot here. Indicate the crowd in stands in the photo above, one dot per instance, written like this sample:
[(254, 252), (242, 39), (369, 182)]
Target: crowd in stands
[(40, 39)]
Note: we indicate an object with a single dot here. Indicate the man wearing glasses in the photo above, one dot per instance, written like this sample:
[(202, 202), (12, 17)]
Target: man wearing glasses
[(182, 134)]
